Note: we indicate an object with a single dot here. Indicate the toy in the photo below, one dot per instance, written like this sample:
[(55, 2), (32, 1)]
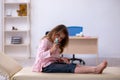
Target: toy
[(22, 10), (14, 28), (56, 40), (80, 34)]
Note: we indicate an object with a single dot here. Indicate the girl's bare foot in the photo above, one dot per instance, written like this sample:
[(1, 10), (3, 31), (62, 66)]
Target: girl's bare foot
[(101, 67)]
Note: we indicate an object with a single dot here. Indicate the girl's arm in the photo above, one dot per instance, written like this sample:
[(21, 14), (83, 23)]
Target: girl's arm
[(66, 60), (43, 52)]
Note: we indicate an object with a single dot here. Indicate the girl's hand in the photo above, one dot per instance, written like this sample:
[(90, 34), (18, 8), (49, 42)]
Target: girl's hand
[(66, 60), (54, 48)]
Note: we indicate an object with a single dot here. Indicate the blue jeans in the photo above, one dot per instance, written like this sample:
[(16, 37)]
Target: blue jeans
[(59, 68)]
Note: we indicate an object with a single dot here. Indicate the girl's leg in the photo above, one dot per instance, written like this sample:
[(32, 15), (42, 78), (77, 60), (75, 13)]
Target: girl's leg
[(91, 69)]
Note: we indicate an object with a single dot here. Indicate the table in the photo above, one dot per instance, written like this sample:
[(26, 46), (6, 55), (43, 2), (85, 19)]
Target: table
[(82, 45)]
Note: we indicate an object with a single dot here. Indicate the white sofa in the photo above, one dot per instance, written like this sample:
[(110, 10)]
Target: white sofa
[(12, 70)]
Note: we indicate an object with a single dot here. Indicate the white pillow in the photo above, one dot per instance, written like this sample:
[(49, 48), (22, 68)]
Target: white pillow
[(3, 75), (9, 65)]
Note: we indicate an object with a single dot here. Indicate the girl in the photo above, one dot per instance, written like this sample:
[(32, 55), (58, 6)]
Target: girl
[(48, 56)]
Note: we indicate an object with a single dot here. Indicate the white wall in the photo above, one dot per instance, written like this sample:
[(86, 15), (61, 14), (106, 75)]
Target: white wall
[(99, 18), (0, 25)]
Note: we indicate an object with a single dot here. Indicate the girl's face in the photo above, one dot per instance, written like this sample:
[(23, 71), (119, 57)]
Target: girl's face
[(60, 36)]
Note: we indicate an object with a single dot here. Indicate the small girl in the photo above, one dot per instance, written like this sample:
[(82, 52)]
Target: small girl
[(48, 58)]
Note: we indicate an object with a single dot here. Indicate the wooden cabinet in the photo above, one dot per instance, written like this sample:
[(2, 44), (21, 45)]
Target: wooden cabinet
[(16, 28), (82, 45)]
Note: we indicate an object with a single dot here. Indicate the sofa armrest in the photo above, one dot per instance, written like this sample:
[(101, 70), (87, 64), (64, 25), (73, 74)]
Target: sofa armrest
[(8, 65)]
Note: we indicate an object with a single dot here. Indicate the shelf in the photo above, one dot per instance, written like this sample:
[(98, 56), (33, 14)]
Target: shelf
[(8, 45), (16, 28), (15, 3), (16, 17), (17, 31)]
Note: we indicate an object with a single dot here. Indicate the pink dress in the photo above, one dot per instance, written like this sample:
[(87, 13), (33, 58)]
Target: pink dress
[(43, 57)]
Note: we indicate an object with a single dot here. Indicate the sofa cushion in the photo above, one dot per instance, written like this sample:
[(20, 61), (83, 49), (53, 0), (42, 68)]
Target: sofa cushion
[(3, 75), (110, 73), (8, 65)]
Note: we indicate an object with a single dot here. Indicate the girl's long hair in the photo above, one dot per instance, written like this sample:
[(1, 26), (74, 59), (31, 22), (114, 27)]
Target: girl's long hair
[(59, 29)]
